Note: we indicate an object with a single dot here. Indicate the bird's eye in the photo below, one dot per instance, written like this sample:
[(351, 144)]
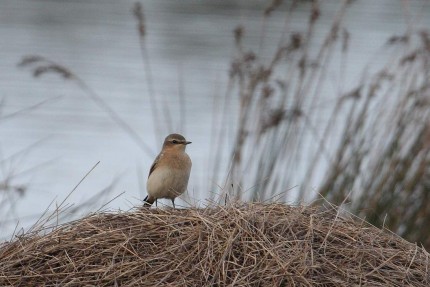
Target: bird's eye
[(174, 141)]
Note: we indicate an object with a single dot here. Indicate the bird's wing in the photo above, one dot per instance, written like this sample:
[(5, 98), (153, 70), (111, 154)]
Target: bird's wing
[(155, 164)]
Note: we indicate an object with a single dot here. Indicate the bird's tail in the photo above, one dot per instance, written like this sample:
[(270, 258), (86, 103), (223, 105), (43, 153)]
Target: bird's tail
[(148, 201)]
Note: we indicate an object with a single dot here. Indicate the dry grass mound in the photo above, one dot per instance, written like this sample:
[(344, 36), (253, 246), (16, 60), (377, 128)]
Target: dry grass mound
[(237, 245)]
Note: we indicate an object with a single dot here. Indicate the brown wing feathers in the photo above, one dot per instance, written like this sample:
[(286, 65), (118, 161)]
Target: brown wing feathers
[(148, 201)]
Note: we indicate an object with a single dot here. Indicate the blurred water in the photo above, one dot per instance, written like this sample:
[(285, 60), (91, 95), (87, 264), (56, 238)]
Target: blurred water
[(190, 44)]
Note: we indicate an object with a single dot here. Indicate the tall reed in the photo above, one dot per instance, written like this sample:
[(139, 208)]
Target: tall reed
[(367, 149)]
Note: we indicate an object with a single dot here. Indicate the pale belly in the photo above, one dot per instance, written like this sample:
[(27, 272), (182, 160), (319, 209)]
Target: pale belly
[(167, 183)]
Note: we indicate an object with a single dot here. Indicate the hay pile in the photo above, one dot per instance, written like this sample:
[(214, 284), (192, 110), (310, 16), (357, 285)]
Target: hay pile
[(238, 245)]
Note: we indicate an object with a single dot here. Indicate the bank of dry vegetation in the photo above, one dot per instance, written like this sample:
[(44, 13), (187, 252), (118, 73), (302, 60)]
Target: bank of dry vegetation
[(236, 245)]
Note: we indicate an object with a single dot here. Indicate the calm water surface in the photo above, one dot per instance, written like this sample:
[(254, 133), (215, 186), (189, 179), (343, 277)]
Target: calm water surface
[(50, 148)]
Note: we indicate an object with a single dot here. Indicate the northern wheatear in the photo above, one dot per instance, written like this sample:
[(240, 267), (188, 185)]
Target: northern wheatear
[(169, 174)]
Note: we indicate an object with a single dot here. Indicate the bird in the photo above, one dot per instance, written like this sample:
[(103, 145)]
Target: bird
[(170, 172)]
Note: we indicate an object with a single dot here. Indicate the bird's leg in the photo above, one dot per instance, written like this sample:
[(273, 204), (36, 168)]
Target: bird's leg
[(156, 203), (173, 202)]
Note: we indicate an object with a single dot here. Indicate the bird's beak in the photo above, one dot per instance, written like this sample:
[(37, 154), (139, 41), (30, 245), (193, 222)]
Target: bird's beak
[(187, 143)]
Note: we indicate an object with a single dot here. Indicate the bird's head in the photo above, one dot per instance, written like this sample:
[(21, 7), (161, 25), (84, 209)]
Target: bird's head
[(175, 142)]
